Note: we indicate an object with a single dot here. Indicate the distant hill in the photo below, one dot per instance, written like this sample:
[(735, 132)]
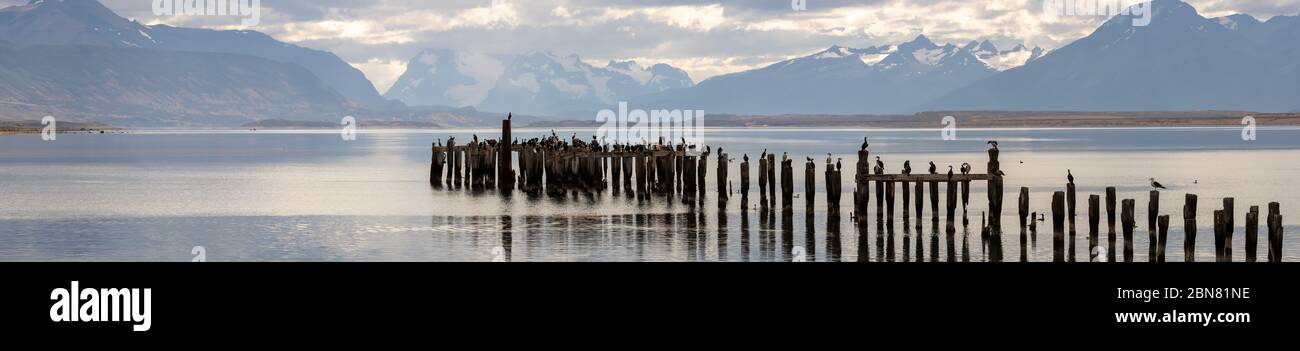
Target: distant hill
[(1181, 61), (138, 87), (89, 23)]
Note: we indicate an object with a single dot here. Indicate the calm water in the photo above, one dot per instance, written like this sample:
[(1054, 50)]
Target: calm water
[(310, 196)]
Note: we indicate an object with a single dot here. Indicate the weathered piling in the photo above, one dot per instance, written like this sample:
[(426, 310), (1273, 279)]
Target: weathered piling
[(1229, 226), (1189, 228), (787, 184), (1153, 212), (1094, 227), (889, 208), (453, 155), (724, 165), (809, 185), (1110, 224), (907, 203), (1024, 211), (1058, 226), (1274, 232), (763, 182), (965, 202), (934, 203), (920, 206), (505, 176), (1220, 221), (995, 194), (1252, 233), (771, 179), (952, 207), (744, 183), (834, 191), (435, 166), (1070, 216), (1128, 221), (689, 184), (861, 187), (880, 204), (1163, 224)]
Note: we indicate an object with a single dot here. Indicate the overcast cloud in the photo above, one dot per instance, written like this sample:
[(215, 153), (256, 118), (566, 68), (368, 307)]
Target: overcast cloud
[(706, 38)]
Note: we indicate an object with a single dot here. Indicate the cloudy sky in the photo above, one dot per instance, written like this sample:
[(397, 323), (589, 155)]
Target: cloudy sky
[(706, 38)]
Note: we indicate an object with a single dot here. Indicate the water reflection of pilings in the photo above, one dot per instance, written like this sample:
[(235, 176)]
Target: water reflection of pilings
[(833, 245)]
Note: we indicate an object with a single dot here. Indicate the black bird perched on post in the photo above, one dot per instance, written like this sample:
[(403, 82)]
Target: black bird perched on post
[(965, 168), (828, 159), (865, 144), (1069, 176), (933, 169), (880, 166), (949, 172), (907, 167), (1157, 185), (994, 143), (810, 159), (839, 164), (746, 157), (510, 116)]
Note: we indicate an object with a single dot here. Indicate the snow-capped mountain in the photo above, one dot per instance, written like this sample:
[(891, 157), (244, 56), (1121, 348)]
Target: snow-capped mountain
[(87, 22), (539, 83), (447, 78), (839, 80), (1004, 59), (1181, 61)]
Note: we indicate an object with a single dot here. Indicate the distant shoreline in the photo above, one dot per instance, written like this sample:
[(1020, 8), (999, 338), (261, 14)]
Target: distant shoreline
[(935, 120)]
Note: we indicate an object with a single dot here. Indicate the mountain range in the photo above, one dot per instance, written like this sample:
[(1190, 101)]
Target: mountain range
[(885, 79), (77, 58), (539, 82), (1181, 61)]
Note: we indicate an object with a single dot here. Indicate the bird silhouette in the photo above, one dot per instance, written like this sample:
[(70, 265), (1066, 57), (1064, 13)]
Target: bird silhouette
[(828, 159), (907, 167), (865, 144), (933, 169), (880, 166), (1156, 185), (994, 143), (965, 168), (1069, 176), (810, 160), (839, 164), (746, 157), (949, 172), (510, 116)]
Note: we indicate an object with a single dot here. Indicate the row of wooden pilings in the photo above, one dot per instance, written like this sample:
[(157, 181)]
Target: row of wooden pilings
[(1063, 213), (560, 168)]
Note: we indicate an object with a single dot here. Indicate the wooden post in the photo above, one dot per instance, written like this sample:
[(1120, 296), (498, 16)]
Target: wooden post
[(744, 184), (762, 180), (1110, 223), (1252, 233), (724, 165), (1229, 226), (1189, 228), (889, 225), (934, 203), (1058, 226), (920, 207), (1070, 216), (1128, 222), (965, 202), (1094, 227), (809, 185), (907, 204), (1153, 212), (1220, 221), (1163, 224), (1274, 232), (771, 178), (995, 194), (861, 187), (505, 159), (952, 207), (787, 184), (1024, 211)]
